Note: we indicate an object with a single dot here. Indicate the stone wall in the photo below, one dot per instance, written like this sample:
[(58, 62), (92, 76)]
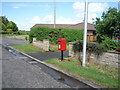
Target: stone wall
[(41, 44), (111, 59)]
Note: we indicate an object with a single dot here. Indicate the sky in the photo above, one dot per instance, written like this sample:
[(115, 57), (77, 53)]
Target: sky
[(27, 14)]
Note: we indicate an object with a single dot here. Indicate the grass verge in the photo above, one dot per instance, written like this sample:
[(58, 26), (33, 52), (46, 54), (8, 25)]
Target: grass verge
[(21, 37), (103, 75), (27, 48), (54, 47)]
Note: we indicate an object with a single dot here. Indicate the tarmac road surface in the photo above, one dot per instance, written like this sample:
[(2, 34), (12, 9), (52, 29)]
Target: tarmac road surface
[(17, 73)]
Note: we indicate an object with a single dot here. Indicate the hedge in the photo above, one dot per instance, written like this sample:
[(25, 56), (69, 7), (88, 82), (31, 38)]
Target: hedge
[(110, 44), (43, 32)]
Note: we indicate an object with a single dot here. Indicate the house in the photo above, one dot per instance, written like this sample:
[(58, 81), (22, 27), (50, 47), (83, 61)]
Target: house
[(91, 36), (91, 28)]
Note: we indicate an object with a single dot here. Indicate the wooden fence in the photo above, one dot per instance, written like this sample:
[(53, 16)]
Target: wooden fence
[(91, 38)]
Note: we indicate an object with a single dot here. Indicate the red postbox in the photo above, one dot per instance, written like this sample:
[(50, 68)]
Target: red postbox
[(61, 44)]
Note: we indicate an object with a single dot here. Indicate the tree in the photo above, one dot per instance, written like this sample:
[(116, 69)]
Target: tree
[(108, 23), (4, 20), (12, 25), (4, 27)]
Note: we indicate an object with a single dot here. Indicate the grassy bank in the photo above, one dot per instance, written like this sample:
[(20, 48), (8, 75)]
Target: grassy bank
[(27, 48), (103, 75), (20, 37)]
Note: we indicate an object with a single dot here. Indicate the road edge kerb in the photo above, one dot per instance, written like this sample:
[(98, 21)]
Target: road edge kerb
[(87, 82)]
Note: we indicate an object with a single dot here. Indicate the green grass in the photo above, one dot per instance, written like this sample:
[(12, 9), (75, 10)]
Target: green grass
[(27, 48), (103, 75), (54, 47), (21, 37)]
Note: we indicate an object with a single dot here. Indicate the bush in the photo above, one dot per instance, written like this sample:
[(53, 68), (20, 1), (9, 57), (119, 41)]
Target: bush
[(30, 39), (42, 32), (100, 38), (110, 44), (91, 48)]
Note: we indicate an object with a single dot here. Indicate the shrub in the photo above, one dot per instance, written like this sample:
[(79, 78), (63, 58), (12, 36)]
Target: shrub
[(100, 38), (91, 48), (26, 38), (42, 32), (30, 39), (110, 44)]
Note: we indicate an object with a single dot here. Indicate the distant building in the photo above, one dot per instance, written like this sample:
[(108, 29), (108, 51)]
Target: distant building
[(91, 28), (91, 36)]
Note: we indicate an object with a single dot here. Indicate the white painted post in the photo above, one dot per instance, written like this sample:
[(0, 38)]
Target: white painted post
[(85, 34)]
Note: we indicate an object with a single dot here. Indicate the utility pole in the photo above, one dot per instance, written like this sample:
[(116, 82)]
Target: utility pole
[(119, 6), (85, 33), (54, 13)]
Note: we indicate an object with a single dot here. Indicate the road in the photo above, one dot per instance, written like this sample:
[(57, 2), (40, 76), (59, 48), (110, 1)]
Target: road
[(17, 73), (11, 42)]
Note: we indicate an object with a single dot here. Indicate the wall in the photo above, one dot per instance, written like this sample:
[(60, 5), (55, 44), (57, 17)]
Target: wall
[(111, 59), (91, 38), (41, 44)]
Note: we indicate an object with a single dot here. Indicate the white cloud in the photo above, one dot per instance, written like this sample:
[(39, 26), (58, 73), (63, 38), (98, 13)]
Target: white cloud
[(44, 6), (35, 19), (57, 0), (15, 7), (64, 20), (94, 9), (48, 19), (29, 22)]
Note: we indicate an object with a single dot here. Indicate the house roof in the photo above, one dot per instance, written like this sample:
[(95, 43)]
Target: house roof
[(52, 25), (72, 26), (81, 26)]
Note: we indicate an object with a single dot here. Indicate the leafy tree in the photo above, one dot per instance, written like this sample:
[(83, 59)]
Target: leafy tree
[(110, 44), (4, 27), (108, 23), (12, 25), (4, 20)]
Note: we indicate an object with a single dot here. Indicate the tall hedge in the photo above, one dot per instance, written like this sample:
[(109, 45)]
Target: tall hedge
[(43, 32)]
